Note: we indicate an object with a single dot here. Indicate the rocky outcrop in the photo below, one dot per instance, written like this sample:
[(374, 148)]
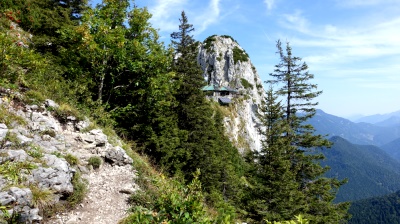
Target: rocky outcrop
[(225, 63), (39, 152)]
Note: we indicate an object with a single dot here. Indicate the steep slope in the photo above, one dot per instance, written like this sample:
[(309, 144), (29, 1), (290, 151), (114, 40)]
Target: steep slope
[(383, 209), (357, 133), (226, 64), (370, 171), (393, 148), (43, 150)]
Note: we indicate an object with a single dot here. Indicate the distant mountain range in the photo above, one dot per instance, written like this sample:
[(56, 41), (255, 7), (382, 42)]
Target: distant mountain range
[(357, 133), (385, 120), (370, 170)]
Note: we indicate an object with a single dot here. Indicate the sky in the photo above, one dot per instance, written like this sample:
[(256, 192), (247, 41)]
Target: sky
[(351, 46)]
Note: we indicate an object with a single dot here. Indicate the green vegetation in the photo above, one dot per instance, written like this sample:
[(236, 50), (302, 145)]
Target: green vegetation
[(209, 41), (367, 167), (80, 190), (246, 84), (42, 198), (14, 171), (95, 162), (71, 159), (288, 168), (115, 70), (227, 36), (35, 151), (8, 118), (383, 209), (239, 55)]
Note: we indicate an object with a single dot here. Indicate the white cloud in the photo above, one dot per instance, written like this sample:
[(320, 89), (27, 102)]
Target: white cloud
[(166, 14), (270, 4), (209, 16), (295, 21), (354, 3)]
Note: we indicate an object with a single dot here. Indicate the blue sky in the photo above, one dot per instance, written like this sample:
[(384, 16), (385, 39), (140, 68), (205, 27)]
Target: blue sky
[(351, 46)]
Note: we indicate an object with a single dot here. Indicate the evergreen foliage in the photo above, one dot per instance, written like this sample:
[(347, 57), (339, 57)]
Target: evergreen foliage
[(384, 209), (292, 144), (206, 146), (110, 64)]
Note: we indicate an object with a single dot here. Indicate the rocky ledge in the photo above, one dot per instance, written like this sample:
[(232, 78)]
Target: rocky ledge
[(40, 154)]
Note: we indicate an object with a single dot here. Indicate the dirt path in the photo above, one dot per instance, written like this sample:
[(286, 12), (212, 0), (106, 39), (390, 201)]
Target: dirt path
[(106, 201)]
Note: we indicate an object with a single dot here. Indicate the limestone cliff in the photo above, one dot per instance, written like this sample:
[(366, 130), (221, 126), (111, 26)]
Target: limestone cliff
[(225, 63)]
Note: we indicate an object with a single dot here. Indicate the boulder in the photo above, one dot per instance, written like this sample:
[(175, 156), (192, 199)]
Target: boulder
[(22, 199), (118, 156), (51, 103), (57, 176), (3, 131)]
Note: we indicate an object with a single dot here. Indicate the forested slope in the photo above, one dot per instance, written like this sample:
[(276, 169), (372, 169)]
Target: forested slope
[(108, 64)]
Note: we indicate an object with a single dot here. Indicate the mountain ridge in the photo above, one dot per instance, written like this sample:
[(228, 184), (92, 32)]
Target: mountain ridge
[(370, 171)]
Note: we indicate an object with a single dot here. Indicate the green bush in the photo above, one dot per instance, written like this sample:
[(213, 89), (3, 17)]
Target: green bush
[(239, 55), (80, 190), (246, 84), (71, 159), (64, 111), (176, 203), (7, 117), (13, 171), (35, 151), (227, 36), (95, 161), (208, 42)]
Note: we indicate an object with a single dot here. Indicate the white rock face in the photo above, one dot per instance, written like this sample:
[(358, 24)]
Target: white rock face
[(217, 59)]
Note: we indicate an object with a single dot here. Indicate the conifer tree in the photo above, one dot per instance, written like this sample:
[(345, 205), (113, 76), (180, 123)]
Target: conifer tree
[(274, 194), (207, 147), (300, 144)]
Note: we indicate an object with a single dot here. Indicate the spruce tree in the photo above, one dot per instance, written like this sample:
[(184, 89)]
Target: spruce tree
[(207, 146), (317, 192), (274, 193)]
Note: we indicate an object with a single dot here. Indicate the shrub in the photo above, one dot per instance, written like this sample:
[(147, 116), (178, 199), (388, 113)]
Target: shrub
[(35, 152), (95, 161), (176, 203), (64, 111), (13, 171), (208, 42), (239, 55), (246, 84), (34, 97), (227, 36), (71, 159), (80, 190), (7, 117)]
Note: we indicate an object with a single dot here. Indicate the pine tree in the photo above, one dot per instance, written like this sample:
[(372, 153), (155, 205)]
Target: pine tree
[(208, 147), (318, 192), (274, 194)]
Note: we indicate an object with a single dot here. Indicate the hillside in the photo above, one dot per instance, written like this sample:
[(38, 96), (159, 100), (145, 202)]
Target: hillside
[(101, 122), (377, 210), (370, 171), (393, 148), (57, 162), (357, 133)]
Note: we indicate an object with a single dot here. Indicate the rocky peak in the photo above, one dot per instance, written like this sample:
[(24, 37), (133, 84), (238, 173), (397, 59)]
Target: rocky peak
[(225, 63)]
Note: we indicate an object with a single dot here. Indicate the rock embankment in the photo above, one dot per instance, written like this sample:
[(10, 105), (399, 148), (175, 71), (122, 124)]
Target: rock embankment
[(225, 63), (40, 156)]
